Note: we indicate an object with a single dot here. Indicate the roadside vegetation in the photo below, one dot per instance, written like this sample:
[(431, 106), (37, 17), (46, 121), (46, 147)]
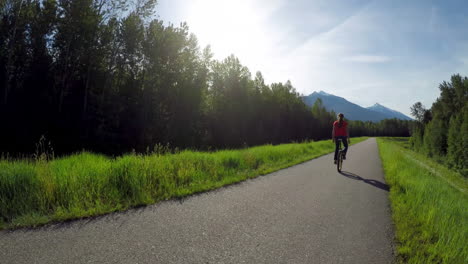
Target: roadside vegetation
[(429, 205), (440, 132), (34, 192)]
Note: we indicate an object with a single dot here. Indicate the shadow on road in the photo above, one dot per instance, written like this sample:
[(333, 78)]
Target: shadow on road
[(374, 183)]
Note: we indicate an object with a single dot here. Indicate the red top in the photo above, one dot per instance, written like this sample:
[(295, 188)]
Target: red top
[(340, 131)]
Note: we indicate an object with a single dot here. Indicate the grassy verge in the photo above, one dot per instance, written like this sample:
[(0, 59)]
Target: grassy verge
[(429, 205), (82, 185)]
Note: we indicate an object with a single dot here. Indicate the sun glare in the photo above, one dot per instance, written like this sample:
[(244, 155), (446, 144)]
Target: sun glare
[(230, 27)]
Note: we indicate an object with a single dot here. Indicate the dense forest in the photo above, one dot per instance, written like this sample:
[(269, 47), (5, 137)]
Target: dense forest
[(105, 76), (441, 131)]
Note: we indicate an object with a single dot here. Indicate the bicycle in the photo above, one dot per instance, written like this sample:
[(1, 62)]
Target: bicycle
[(339, 161)]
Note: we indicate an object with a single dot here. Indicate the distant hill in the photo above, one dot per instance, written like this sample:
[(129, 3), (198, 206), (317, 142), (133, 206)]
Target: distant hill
[(353, 111)]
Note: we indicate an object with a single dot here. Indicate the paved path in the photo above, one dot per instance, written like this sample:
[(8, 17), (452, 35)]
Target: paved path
[(308, 213)]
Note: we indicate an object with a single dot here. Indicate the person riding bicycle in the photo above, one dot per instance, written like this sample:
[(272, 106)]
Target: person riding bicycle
[(340, 131)]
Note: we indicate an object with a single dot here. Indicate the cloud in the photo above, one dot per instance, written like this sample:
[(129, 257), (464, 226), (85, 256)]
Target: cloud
[(367, 58)]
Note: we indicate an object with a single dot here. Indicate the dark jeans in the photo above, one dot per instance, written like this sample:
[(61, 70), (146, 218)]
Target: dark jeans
[(345, 143)]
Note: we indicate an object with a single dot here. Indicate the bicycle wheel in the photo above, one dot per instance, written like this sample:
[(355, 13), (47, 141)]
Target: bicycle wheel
[(339, 162)]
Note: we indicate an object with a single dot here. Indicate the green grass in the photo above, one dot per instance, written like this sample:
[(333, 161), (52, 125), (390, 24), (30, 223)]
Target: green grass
[(429, 206), (82, 185)]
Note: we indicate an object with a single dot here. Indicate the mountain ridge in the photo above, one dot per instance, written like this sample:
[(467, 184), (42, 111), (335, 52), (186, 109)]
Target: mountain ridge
[(353, 111), (383, 109)]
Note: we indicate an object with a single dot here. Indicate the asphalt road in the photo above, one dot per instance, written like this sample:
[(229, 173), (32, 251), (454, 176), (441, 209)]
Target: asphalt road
[(308, 213)]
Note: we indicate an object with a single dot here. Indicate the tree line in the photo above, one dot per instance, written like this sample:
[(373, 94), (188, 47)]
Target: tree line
[(105, 76), (441, 131)]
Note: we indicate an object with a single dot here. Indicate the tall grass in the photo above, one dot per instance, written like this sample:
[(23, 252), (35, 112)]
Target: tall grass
[(429, 205), (85, 184)]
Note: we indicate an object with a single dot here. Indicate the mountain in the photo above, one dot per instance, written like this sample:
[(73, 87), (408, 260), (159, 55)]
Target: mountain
[(353, 111), (387, 111)]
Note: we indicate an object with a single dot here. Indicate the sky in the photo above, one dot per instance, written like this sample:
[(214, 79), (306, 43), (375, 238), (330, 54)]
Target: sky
[(392, 52)]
